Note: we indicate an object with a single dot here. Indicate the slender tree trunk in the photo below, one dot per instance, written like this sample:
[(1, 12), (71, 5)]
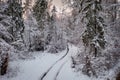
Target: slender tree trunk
[(4, 64)]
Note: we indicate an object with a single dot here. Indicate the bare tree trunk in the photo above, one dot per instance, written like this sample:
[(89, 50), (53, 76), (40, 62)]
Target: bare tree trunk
[(4, 65)]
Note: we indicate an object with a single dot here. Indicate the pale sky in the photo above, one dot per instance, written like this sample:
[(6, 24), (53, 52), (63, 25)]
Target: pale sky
[(58, 4)]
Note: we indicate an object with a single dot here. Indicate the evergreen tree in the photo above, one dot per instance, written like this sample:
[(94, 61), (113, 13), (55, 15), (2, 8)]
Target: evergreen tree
[(53, 31), (40, 13), (15, 10), (55, 34), (93, 37)]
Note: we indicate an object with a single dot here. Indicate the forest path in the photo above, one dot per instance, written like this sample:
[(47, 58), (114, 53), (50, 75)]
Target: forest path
[(52, 67), (56, 67)]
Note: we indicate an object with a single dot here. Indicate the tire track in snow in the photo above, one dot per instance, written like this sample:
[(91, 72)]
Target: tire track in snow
[(59, 70), (45, 73)]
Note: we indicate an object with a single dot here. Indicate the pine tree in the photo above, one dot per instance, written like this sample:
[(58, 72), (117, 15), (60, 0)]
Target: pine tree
[(93, 37), (15, 10), (53, 31), (42, 17), (40, 13)]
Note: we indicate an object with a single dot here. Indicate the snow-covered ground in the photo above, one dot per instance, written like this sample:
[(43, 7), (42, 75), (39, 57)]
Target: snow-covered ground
[(33, 69)]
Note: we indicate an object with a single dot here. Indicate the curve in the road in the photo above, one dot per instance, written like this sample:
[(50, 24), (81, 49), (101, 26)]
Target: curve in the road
[(44, 74)]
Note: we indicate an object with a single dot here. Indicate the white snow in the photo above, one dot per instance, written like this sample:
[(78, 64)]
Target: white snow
[(34, 68)]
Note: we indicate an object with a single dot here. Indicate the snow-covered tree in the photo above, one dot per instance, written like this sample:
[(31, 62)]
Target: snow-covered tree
[(100, 36), (40, 12), (55, 33), (111, 9), (93, 37), (15, 10), (41, 15)]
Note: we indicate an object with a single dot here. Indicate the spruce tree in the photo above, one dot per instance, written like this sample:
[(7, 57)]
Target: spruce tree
[(93, 36), (53, 31), (40, 13), (42, 17), (15, 10)]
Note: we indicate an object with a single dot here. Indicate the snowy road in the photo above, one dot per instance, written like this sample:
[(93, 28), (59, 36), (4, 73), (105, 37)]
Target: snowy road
[(45, 66), (46, 74)]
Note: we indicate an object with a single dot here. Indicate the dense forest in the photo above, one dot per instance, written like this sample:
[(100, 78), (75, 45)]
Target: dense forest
[(59, 39)]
